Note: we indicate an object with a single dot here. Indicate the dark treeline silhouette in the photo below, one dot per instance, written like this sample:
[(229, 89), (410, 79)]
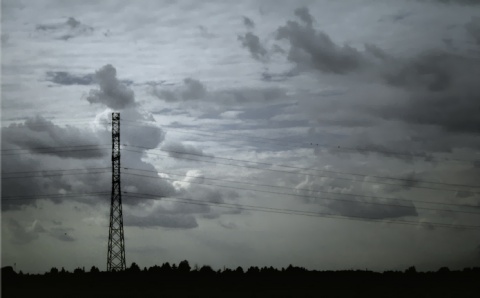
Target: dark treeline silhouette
[(171, 280)]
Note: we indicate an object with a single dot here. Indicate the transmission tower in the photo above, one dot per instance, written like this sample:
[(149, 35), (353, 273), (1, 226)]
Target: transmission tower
[(116, 241)]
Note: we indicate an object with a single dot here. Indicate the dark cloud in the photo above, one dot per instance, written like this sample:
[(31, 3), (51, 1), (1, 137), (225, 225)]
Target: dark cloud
[(191, 89), (432, 88), (473, 28), (249, 23), (253, 44), (370, 211), (65, 78), (213, 102), (396, 17), (166, 95), (257, 95), (179, 150), (113, 93), (304, 14), (344, 204), (432, 70), (376, 51), (310, 48), (65, 30), (26, 190), (441, 89), (194, 89), (37, 135), (461, 2)]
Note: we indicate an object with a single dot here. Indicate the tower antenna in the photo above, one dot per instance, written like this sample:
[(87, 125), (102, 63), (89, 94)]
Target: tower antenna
[(116, 240)]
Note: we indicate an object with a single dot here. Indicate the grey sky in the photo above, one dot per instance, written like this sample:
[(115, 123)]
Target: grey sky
[(294, 83)]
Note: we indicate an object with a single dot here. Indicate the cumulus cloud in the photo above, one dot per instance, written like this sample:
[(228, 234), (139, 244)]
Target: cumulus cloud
[(113, 93), (249, 23), (253, 44), (304, 14), (194, 89), (191, 89), (191, 199), (37, 135), (344, 204), (315, 49), (24, 235), (429, 90), (85, 146)]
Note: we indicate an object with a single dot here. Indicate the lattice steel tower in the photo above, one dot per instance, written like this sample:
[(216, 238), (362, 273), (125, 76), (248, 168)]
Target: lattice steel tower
[(116, 241)]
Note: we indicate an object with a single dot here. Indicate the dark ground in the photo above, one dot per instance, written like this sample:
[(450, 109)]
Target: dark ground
[(180, 281)]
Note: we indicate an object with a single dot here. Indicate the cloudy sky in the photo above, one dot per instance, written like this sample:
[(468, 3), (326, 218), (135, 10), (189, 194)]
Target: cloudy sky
[(324, 134)]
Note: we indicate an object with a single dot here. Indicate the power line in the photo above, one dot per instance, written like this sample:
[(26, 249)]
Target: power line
[(299, 212), (47, 171), (55, 147), (53, 196), (241, 207), (310, 169), (30, 125), (307, 196), (17, 120), (287, 172), (53, 175), (215, 134), (305, 144), (53, 151), (316, 191)]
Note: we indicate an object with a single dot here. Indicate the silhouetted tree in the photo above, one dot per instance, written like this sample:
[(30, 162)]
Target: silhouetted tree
[(54, 270), (239, 270), (184, 267), (206, 270), (444, 270), (166, 268), (94, 270), (411, 270), (134, 268)]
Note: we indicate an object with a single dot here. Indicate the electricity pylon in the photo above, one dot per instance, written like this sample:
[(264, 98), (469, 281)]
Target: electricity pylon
[(116, 240)]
